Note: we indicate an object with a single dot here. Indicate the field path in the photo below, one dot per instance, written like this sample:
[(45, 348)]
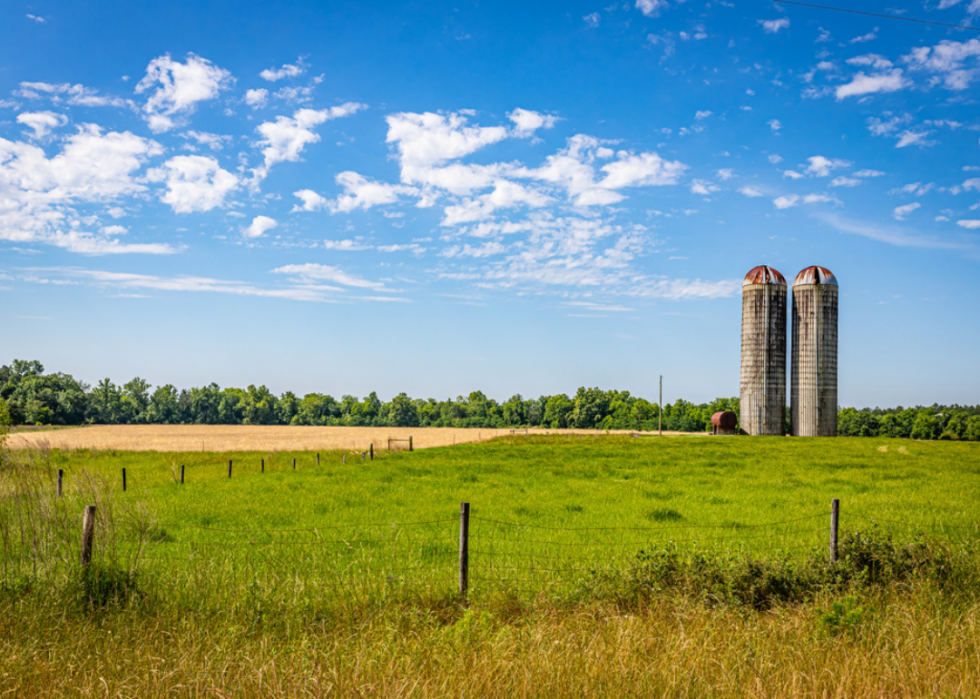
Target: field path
[(263, 437)]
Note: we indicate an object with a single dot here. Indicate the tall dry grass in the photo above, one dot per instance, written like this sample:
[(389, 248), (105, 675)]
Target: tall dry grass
[(224, 438), (907, 645)]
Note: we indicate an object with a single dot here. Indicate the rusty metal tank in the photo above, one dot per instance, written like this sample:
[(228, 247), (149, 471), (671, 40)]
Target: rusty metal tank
[(813, 395), (763, 386)]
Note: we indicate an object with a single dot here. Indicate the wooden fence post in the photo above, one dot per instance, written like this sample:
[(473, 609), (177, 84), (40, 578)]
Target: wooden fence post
[(294, 463), (834, 516), (61, 478), (88, 535), (372, 451), (345, 459), (318, 458), (182, 474), (124, 480), (410, 442), (263, 465), (229, 468), (464, 547)]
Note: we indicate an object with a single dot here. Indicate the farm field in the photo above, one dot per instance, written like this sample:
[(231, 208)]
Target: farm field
[(340, 577), (223, 438)]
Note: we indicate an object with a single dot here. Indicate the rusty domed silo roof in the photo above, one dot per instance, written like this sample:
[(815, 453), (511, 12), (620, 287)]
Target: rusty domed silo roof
[(815, 275), (763, 274)]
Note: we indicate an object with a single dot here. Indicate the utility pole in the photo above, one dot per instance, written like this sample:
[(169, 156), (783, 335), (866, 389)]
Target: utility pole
[(660, 410)]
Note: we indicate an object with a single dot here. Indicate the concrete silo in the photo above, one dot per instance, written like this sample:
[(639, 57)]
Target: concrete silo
[(762, 407), (814, 389)]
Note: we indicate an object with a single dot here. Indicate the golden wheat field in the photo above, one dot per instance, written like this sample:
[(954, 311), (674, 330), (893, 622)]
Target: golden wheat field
[(219, 438)]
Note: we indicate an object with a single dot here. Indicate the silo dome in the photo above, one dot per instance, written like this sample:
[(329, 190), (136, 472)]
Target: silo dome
[(815, 275), (763, 274)]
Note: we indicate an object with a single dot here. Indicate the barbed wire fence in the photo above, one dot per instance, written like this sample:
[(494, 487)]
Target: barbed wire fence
[(472, 553)]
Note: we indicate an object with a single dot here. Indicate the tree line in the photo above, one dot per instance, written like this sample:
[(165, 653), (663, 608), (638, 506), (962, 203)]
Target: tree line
[(33, 397)]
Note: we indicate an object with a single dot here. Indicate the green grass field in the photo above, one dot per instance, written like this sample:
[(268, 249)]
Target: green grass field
[(340, 579), (543, 509)]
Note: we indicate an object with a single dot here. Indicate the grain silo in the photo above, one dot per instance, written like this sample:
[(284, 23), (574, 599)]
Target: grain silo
[(814, 389), (762, 407)]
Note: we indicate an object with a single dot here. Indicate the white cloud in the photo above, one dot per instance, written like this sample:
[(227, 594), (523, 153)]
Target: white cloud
[(870, 36), (824, 36), (311, 272), (41, 122), (911, 137), (900, 212), (786, 202), (287, 71), (863, 84), (592, 19), (775, 158), (423, 141), (792, 174), (259, 226), (884, 234), (651, 8), (211, 140), (36, 18), (868, 173), (882, 128), (916, 188), (527, 122), (725, 173), (821, 199), (505, 194), (256, 98), (772, 26), (346, 245), (83, 243), (72, 94), (947, 59), (176, 88), (820, 166), (703, 187), (970, 224), (844, 182), (126, 280), (871, 59), (363, 193), (702, 115), (775, 125), (285, 138), (194, 183), (750, 191), (311, 201)]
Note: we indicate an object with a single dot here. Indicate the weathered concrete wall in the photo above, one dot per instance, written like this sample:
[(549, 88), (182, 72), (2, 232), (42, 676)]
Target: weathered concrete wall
[(813, 394), (763, 386)]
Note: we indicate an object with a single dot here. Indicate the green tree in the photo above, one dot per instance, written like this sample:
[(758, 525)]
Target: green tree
[(105, 403), (4, 427), (558, 411), (403, 412), (925, 427), (591, 406), (136, 400), (163, 408)]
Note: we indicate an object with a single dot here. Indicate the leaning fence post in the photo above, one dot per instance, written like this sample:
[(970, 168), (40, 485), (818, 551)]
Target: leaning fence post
[(124, 480), (182, 474), (88, 535), (263, 465), (834, 516), (464, 547), (410, 442), (61, 478), (294, 463), (372, 451), (229, 468)]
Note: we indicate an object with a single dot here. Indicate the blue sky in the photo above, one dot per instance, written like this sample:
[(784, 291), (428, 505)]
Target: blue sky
[(509, 197)]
